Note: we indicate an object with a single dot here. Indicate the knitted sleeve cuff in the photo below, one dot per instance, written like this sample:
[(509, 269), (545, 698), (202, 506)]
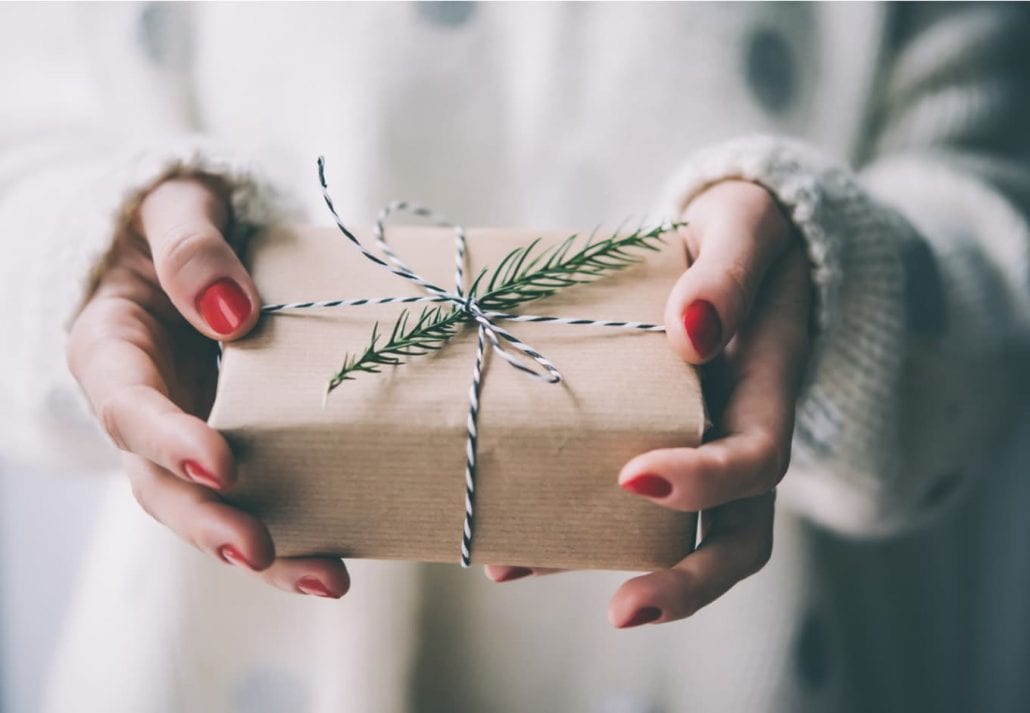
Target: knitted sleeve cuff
[(113, 200), (69, 209), (846, 450)]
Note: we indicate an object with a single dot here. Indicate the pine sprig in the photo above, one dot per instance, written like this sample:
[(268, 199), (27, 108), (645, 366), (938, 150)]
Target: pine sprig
[(428, 332), (521, 277), (524, 274)]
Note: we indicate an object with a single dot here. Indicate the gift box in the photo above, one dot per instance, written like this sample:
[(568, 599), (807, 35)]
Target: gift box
[(377, 469)]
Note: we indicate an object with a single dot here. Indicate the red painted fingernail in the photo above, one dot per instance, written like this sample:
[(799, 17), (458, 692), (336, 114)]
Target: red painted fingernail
[(703, 327), (653, 486), (196, 472), (224, 306), (232, 555), (643, 616), (515, 573), (311, 585)]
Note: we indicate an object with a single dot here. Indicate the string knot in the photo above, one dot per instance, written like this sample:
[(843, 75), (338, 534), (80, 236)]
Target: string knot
[(470, 306)]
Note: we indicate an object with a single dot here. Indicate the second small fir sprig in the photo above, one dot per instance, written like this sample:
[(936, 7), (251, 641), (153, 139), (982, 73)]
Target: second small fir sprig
[(525, 274)]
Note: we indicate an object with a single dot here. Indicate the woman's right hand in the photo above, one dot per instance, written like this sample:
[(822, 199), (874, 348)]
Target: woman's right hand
[(144, 349)]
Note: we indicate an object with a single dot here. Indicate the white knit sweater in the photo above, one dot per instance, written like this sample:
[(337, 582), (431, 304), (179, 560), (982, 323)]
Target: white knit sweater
[(907, 178)]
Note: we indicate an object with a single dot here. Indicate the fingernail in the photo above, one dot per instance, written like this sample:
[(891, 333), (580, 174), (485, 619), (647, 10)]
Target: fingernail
[(196, 472), (653, 486), (232, 555), (703, 327), (643, 616), (224, 306), (515, 573), (311, 585)]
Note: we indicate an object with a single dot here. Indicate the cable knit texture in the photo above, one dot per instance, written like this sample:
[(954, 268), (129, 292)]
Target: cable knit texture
[(847, 420)]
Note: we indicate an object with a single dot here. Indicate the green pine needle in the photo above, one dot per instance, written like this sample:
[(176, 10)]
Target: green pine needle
[(430, 331), (523, 275)]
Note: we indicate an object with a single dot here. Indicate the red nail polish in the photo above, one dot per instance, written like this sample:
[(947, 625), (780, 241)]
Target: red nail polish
[(703, 327), (515, 573), (232, 555), (223, 306), (196, 472), (311, 585), (643, 616), (653, 486)]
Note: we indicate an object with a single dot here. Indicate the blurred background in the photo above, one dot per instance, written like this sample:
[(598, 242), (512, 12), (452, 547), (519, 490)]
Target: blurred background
[(43, 519)]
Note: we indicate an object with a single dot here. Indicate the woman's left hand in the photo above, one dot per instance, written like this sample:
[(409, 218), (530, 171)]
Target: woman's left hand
[(741, 310)]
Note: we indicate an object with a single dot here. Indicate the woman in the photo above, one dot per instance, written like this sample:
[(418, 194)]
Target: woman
[(903, 211)]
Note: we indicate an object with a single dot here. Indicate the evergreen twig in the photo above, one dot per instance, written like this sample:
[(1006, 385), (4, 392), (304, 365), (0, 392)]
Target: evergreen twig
[(521, 276), (430, 331)]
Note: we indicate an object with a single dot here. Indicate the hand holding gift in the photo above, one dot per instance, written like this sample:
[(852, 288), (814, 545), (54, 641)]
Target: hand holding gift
[(142, 308), (743, 310), (144, 349)]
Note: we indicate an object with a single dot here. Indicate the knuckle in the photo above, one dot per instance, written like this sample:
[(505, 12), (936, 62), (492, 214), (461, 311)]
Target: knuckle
[(141, 329), (109, 414), (738, 283), (135, 327), (89, 330), (720, 461), (180, 246), (204, 534), (141, 492), (772, 456), (277, 577), (73, 350), (686, 587), (198, 541), (761, 555)]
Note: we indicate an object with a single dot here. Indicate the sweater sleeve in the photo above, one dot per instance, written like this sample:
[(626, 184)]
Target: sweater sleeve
[(920, 258), (73, 165)]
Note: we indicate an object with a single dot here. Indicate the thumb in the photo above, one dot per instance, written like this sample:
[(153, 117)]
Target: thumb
[(735, 232), (183, 220)]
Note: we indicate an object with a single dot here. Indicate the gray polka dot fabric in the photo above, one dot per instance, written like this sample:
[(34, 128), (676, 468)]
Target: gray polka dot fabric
[(163, 34), (812, 652), (771, 71), (446, 14)]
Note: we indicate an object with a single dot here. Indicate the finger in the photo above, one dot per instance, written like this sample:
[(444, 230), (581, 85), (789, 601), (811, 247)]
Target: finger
[(505, 573), (116, 355), (237, 538), (198, 516), (758, 418), (182, 221), (316, 576), (734, 232), (694, 479), (738, 544)]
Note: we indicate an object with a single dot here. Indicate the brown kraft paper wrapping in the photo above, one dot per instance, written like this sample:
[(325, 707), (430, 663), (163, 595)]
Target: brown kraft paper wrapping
[(378, 471)]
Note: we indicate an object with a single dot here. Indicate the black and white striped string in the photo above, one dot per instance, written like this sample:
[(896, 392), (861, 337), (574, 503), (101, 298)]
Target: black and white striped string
[(506, 345)]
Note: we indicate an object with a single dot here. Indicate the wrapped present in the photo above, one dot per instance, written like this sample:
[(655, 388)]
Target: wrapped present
[(381, 467)]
